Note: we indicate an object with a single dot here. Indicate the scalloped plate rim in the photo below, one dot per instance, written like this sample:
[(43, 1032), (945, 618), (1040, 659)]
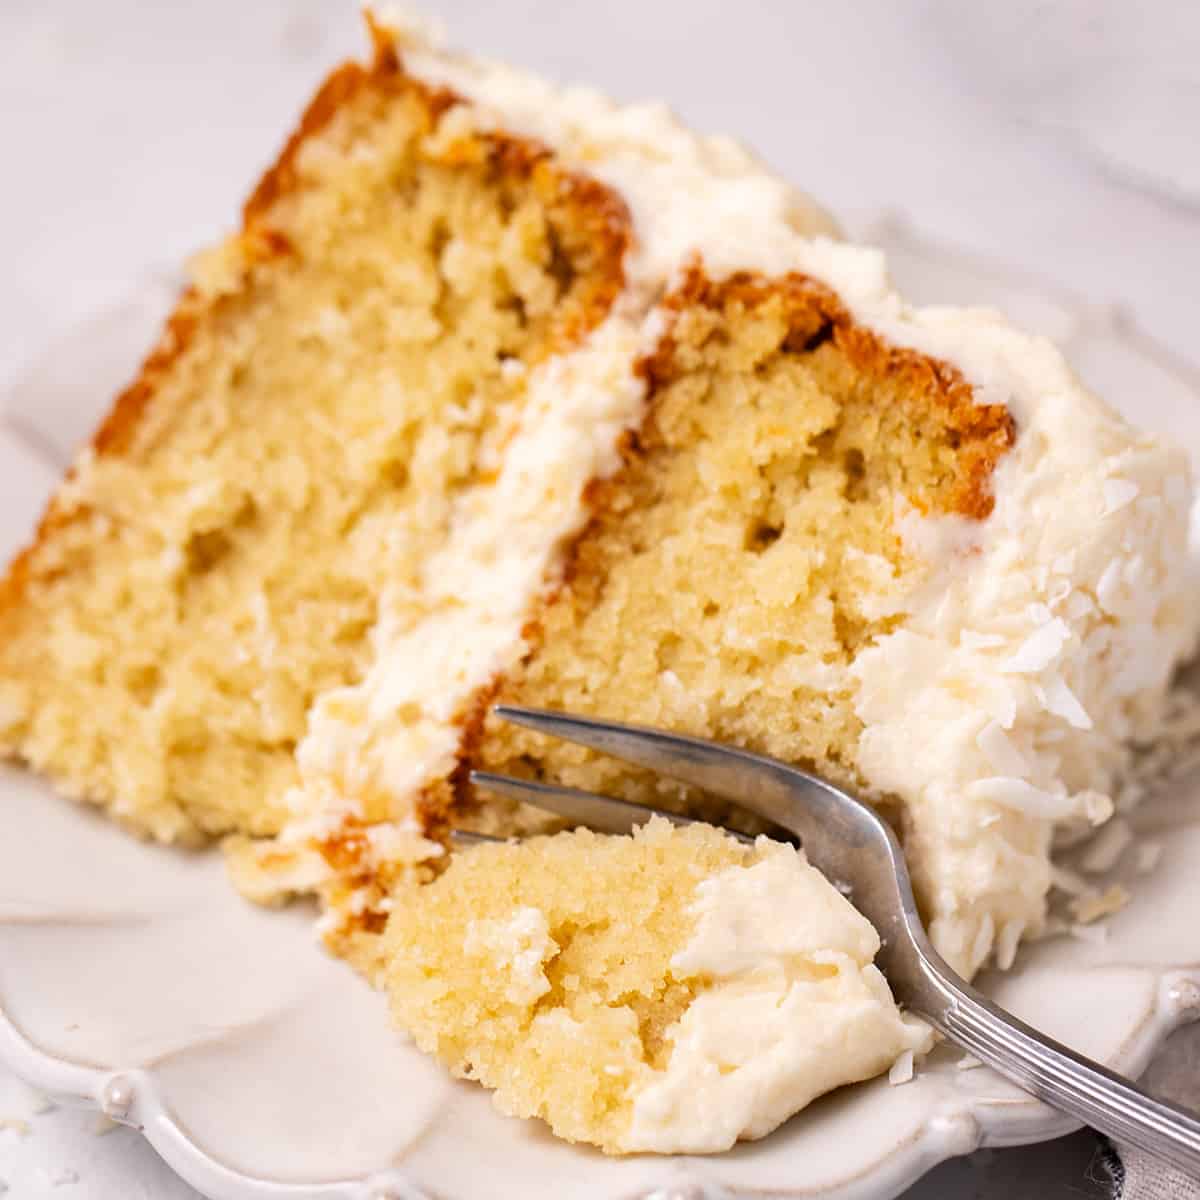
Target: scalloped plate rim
[(941, 1136)]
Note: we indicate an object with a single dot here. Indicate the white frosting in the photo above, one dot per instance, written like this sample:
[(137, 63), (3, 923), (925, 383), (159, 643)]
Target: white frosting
[(1038, 646), (792, 1007), (398, 728), (1008, 699), (518, 949), (688, 193)]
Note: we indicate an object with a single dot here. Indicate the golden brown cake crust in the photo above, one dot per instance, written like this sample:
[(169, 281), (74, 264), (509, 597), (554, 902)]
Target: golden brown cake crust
[(814, 312), (607, 217)]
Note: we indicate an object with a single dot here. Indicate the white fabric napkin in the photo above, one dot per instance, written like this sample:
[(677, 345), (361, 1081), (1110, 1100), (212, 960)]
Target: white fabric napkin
[(1174, 1075)]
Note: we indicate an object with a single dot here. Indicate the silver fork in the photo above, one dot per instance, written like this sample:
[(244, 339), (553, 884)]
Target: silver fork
[(850, 844)]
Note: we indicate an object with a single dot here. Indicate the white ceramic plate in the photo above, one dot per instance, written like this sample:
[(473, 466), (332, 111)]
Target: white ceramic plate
[(133, 978)]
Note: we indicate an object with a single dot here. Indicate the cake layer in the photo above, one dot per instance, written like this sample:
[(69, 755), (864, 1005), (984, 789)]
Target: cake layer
[(672, 991)]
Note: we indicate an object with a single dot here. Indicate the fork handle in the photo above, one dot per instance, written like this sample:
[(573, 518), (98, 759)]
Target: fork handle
[(1065, 1080)]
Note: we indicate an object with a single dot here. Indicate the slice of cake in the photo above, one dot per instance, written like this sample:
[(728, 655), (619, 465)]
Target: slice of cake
[(505, 391), (672, 991)]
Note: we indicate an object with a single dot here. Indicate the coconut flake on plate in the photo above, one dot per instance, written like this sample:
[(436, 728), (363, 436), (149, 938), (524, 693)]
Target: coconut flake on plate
[(1007, 942), (1094, 935), (902, 1070), (1149, 855), (1069, 881), (1092, 907), (1105, 849)]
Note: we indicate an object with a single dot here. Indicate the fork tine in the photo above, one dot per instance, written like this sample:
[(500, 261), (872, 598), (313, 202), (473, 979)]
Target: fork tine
[(702, 764), (603, 813), (843, 837), (468, 837), (815, 810)]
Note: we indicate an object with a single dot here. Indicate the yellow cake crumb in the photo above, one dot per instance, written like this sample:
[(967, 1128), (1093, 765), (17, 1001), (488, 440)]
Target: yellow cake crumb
[(669, 991)]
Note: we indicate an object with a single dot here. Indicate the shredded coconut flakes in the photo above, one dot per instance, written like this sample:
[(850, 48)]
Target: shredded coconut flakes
[(1107, 847), (902, 1069), (1093, 906)]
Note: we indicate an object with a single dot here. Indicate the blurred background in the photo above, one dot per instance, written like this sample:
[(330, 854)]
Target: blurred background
[(1037, 149), (1061, 137)]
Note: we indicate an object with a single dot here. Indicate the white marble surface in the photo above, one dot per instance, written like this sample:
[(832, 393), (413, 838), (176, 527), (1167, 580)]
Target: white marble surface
[(1062, 139)]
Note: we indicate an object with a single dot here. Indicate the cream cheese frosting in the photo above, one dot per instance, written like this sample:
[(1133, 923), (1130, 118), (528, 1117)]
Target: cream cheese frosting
[(399, 727), (1037, 647), (792, 1008)]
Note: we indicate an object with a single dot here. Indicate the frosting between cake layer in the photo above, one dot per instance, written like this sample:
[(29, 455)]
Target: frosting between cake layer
[(1040, 645), (400, 726)]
